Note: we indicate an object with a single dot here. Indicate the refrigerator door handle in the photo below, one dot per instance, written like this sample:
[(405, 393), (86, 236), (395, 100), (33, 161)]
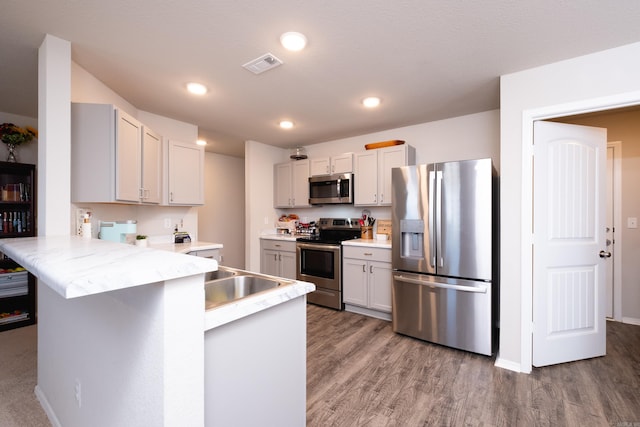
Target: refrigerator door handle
[(479, 290), (438, 212), (432, 249)]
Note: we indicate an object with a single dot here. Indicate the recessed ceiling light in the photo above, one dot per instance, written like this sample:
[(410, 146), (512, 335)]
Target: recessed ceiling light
[(371, 102), (293, 41), (286, 124), (196, 88), (201, 142)]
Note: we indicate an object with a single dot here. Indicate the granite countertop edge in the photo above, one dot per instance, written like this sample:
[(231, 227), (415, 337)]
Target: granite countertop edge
[(75, 267)]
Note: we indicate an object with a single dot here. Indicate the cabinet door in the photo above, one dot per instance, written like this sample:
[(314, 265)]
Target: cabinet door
[(300, 184), (388, 158), (288, 265), (269, 262), (320, 166), (342, 163), (282, 185), (354, 281), (366, 178), (128, 157), (151, 166), (186, 173), (380, 279)]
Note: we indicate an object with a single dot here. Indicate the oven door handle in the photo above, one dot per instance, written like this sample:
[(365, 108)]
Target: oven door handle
[(319, 246)]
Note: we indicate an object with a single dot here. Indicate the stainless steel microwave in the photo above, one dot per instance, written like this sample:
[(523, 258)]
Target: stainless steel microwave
[(331, 189)]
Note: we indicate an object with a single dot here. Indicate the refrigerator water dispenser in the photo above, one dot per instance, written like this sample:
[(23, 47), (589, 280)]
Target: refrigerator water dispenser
[(412, 238)]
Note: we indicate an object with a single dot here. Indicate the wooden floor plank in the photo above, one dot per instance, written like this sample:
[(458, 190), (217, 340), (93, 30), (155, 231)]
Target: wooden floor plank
[(360, 373)]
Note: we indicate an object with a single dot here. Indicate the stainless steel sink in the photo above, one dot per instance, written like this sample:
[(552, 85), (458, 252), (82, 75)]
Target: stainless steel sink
[(222, 273), (237, 286)]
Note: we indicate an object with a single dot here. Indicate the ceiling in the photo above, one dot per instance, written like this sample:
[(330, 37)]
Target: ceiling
[(427, 59)]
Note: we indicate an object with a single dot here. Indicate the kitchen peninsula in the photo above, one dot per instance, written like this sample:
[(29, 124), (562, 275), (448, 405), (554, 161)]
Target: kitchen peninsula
[(121, 330)]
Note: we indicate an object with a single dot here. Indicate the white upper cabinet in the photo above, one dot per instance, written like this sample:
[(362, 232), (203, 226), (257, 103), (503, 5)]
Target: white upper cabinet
[(372, 168), (186, 173), (330, 165), (151, 166), (291, 184), (108, 161)]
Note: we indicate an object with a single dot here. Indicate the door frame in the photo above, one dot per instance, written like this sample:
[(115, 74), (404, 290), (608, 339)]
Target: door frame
[(526, 213), (617, 224)]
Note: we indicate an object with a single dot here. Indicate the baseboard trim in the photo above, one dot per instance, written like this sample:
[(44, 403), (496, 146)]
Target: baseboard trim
[(48, 410), (507, 364), (631, 320), (367, 312)]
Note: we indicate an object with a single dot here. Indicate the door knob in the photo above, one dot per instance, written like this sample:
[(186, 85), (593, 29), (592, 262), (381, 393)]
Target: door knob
[(605, 254)]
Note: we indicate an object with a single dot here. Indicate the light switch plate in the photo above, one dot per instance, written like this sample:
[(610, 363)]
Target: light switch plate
[(632, 222)]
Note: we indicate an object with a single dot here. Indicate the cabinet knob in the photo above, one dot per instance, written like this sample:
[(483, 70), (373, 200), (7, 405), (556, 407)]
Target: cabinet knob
[(371, 269), (364, 268)]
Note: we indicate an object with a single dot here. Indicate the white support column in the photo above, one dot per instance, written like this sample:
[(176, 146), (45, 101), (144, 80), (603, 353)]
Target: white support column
[(54, 125)]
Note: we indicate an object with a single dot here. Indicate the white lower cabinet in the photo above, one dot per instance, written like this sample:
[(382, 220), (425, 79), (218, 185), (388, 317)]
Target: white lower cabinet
[(366, 280), (278, 258)]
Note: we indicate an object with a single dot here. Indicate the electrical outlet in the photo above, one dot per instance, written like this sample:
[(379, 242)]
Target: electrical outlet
[(632, 222), (167, 223), (78, 393)]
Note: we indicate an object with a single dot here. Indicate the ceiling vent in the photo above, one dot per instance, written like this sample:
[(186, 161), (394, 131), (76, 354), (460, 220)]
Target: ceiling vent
[(262, 64)]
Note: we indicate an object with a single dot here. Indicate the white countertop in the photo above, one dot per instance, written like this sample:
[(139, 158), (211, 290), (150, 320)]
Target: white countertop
[(285, 237), (184, 248), (370, 243), (75, 267), (252, 304)]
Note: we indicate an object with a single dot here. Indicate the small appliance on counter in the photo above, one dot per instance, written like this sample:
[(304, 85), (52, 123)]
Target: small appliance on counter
[(118, 231), (181, 237)]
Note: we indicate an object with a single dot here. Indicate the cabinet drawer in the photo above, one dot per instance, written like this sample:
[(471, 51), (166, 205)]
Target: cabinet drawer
[(278, 245), (365, 253)]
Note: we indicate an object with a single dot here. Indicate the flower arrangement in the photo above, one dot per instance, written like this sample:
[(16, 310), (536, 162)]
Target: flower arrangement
[(15, 135)]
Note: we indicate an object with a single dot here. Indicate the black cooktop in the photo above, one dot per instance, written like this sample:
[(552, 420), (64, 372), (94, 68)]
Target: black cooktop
[(334, 231)]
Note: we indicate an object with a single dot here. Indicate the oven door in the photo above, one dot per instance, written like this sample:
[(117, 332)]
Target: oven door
[(319, 264)]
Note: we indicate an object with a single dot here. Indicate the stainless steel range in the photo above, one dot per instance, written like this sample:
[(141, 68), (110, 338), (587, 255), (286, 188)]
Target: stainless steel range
[(319, 259)]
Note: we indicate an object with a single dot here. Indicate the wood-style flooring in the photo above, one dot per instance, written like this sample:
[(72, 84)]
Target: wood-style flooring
[(360, 373)]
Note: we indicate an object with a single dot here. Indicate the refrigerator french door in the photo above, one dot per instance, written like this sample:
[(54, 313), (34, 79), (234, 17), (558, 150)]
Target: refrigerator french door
[(443, 253)]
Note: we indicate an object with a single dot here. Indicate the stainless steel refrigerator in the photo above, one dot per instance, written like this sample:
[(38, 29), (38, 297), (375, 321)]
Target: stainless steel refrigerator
[(444, 253)]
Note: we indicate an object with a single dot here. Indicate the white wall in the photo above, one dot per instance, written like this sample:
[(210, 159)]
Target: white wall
[(258, 198), (466, 137), (222, 218), (598, 81)]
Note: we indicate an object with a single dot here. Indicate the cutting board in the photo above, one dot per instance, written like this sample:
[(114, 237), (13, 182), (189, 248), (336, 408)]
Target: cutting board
[(382, 144)]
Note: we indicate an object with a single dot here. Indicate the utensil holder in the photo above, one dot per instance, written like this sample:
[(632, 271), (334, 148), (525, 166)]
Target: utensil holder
[(366, 232)]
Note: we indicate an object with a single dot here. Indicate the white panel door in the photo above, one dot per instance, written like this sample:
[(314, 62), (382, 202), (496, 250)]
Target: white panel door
[(128, 152), (569, 236), (186, 173), (151, 166)]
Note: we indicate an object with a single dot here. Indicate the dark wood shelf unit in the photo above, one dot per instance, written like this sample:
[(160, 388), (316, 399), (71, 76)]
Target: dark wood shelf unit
[(17, 219)]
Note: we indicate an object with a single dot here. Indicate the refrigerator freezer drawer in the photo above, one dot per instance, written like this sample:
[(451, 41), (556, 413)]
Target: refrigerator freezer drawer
[(454, 313)]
